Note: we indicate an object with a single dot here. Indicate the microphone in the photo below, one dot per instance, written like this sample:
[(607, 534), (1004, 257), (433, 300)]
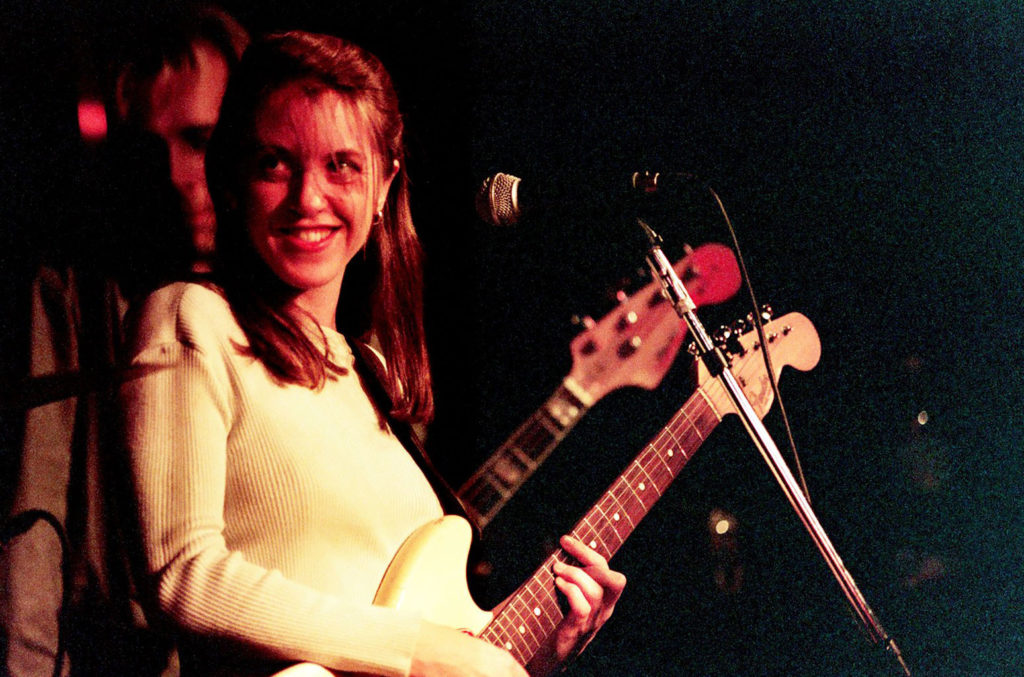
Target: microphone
[(502, 199)]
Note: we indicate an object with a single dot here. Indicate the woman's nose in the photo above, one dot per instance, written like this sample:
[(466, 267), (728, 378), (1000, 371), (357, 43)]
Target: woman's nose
[(310, 198)]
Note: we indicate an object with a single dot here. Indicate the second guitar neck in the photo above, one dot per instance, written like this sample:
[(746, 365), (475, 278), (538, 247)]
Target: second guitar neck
[(490, 487)]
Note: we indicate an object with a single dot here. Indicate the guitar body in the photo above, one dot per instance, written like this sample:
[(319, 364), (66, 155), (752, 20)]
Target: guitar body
[(428, 576)]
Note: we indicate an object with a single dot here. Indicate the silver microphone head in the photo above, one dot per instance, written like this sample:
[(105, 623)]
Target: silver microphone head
[(497, 201)]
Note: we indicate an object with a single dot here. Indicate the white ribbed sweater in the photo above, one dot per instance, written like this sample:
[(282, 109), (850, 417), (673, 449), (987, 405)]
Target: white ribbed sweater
[(268, 513)]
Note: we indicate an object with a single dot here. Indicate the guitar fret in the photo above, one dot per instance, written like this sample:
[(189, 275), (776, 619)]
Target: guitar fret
[(519, 621), (664, 454), (710, 405), (649, 483), (505, 638), (610, 521), (689, 420), (623, 513), (592, 537), (534, 441), (564, 408), (484, 495), (550, 425), (510, 467), (526, 631)]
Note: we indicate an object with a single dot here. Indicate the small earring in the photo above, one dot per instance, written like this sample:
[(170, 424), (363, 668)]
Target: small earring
[(377, 218)]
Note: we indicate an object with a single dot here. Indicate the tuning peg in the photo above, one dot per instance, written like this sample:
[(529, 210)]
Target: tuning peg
[(586, 321), (728, 339), (627, 320), (627, 348), (740, 326), (765, 315)]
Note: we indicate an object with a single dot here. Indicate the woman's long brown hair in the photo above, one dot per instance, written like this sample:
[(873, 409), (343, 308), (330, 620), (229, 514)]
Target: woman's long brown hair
[(382, 293)]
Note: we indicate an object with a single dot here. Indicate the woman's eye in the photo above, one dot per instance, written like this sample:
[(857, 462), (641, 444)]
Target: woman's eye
[(342, 168), (271, 166)]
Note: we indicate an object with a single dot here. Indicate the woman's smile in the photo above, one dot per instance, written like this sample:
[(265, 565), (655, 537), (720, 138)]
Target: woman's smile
[(308, 238)]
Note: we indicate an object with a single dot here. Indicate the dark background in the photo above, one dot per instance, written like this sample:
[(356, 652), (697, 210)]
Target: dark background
[(868, 155)]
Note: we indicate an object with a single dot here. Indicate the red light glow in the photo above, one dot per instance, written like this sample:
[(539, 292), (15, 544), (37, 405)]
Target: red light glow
[(92, 120)]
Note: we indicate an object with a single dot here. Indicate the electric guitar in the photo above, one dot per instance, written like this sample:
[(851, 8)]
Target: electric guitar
[(634, 345), (427, 574)]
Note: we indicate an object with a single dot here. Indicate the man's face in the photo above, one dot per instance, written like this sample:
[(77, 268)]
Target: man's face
[(180, 107)]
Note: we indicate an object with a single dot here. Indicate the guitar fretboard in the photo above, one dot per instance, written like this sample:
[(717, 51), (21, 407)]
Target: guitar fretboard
[(532, 613), (490, 488)]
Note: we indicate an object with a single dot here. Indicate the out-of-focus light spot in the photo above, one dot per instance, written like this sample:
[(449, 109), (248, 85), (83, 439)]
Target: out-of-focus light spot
[(926, 568), (92, 120), (922, 418), (722, 523)]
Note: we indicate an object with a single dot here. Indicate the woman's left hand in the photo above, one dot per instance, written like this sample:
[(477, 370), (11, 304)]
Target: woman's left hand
[(591, 590)]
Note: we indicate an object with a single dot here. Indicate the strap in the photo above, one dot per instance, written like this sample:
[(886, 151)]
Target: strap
[(371, 370)]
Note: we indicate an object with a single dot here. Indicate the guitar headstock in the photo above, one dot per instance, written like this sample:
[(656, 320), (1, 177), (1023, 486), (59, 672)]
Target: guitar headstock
[(635, 344), (792, 341)]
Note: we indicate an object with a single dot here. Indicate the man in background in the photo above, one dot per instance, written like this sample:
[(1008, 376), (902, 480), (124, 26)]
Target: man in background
[(154, 222)]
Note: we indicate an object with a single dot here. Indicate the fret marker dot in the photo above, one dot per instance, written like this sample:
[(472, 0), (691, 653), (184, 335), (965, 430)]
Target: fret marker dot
[(508, 646), (670, 452), (642, 486), (593, 544), (536, 611), (615, 517), (522, 629)]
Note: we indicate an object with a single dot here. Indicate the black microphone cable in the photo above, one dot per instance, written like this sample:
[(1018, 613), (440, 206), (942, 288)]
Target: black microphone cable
[(19, 524)]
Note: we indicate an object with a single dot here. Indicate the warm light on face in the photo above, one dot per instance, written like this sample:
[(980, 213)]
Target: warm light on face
[(312, 184)]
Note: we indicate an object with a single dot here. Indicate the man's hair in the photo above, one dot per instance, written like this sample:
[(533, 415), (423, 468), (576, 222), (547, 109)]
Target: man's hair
[(169, 38)]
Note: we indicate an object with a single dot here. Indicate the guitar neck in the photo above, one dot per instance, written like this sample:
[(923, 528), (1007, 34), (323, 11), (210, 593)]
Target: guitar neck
[(532, 613), (490, 487)]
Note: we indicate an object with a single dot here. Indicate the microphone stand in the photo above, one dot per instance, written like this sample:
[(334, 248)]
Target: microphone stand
[(718, 366)]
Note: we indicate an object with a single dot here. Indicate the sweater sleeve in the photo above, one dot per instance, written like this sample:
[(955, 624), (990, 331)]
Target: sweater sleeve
[(178, 404)]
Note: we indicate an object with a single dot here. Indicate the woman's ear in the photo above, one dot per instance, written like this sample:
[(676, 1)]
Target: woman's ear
[(386, 184)]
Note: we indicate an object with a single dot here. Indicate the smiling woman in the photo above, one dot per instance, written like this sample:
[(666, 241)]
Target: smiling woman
[(312, 187), (260, 438), (317, 139)]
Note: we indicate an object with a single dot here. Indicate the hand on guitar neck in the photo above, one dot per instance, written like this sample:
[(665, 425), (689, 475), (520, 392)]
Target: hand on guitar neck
[(591, 590), (633, 345)]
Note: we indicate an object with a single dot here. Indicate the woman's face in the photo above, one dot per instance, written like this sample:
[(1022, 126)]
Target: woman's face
[(311, 186)]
